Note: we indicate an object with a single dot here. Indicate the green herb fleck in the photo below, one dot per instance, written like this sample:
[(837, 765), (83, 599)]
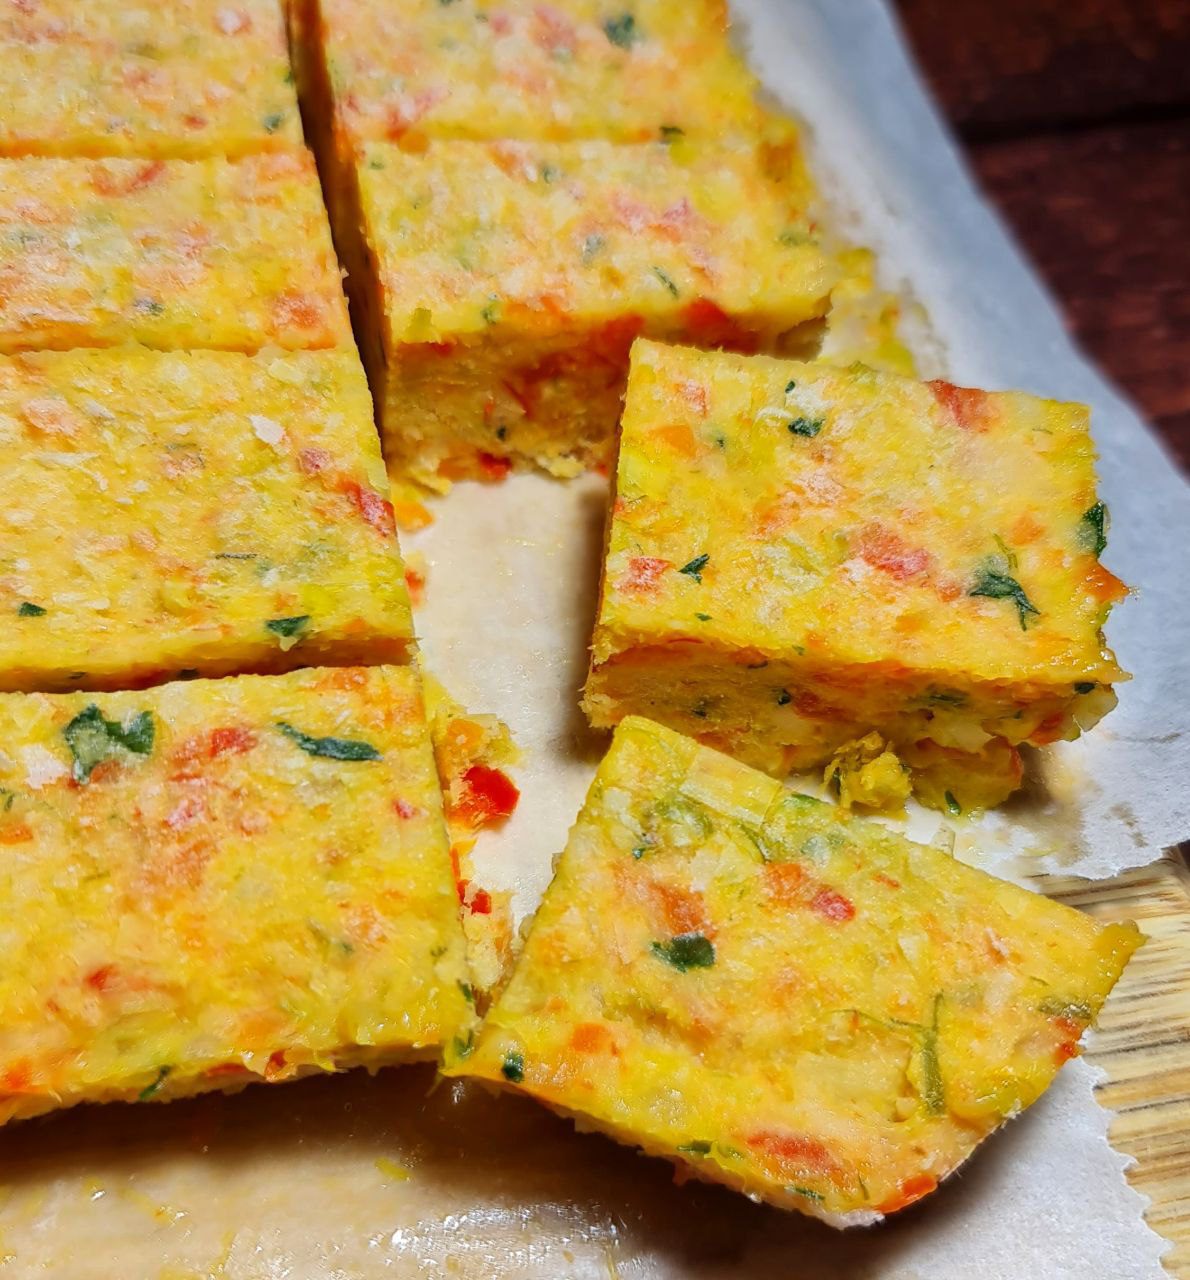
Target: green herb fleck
[(92, 739), (287, 628), (549, 173), (149, 1090), (946, 698), (1085, 686), (375, 163), (1076, 1010), (666, 280), (671, 133), (693, 569), (1092, 531), (686, 951), (468, 992), (622, 31), (807, 1192), (999, 586), (9, 798), (491, 313), (931, 1073), (513, 1067), (272, 122), (808, 427), (952, 805), (703, 617), (30, 610), (463, 1047), (791, 385), (329, 748), (150, 306), (791, 237), (699, 1147), (784, 697), (592, 246)]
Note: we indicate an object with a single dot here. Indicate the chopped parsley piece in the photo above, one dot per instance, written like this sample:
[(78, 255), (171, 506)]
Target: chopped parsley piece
[(375, 163), (1092, 530), (1075, 1010), (287, 628), (149, 1090), (513, 1066), (931, 1073), (784, 697), (491, 312), (792, 237), (686, 951), (806, 1192), (329, 748), (592, 246), (30, 610), (699, 1147), (622, 31), (666, 280), (463, 1047), (791, 385), (952, 805), (703, 617), (550, 173), (272, 122), (1085, 686), (946, 698), (693, 569), (150, 306), (808, 427), (468, 992), (671, 133), (92, 738), (999, 586)]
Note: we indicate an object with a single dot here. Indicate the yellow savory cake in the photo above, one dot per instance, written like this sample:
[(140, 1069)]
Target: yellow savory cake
[(204, 513), (170, 253), (507, 281), (176, 78), (800, 555), (806, 1007), (405, 70), (220, 882)]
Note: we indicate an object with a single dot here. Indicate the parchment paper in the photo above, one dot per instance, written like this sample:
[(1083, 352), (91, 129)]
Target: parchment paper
[(354, 1178)]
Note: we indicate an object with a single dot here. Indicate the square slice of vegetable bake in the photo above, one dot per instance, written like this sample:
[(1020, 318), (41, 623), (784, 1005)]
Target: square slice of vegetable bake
[(407, 70), (170, 253), (508, 280), (202, 513), (806, 1007), (220, 882), (801, 556), (176, 78)]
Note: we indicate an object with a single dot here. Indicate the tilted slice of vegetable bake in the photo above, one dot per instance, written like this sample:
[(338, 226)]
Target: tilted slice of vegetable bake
[(205, 513), (174, 78), (220, 882), (508, 280), (801, 556), (803, 1006), (174, 254)]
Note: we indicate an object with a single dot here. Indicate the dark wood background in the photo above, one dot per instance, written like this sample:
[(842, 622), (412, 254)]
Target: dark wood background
[(1076, 119)]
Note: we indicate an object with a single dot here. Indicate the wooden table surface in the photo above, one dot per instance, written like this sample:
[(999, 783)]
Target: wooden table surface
[(1076, 117)]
